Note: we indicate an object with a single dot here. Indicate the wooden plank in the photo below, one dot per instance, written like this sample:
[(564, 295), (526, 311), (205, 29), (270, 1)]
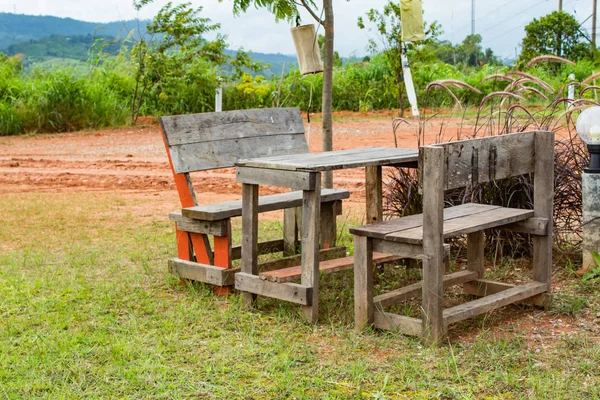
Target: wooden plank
[(332, 160), (373, 188), (325, 266), (218, 228), (414, 290), (249, 236), (384, 228), (491, 302), (292, 263), (402, 250), (202, 272), (292, 292), (432, 230), (290, 231), (543, 199), (273, 177), (363, 282), (328, 226), (266, 247), (237, 124), (405, 325), (230, 209), (486, 159), (467, 224), (475, 256), (225, 153), (482, 287), (311, 210), (531, 226)]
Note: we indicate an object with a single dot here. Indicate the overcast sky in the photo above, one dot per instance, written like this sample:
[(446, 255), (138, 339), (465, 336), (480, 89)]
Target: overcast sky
[(499, 22)]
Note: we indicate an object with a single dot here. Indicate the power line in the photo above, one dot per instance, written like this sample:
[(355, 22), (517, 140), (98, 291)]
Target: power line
[(518, 26), (483, 16)]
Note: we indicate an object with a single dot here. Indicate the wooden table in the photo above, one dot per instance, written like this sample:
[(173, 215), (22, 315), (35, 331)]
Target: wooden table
[(303, 172)]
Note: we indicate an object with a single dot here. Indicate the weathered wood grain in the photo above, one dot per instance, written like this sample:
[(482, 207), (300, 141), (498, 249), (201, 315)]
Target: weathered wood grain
[(414, 290), (531, 226), (337, 263), (292, 292), (405, 325), (273, 177), (487, 159), (482, 287), (288, 268), (384, 228), (249, 236), (237, 124), (543, 198), (310, 247), (266, 247), (202, 272), (230, 209), (363, 282), (432, 236), (373, 188), (332, 160), (218, 228), (491, 302)]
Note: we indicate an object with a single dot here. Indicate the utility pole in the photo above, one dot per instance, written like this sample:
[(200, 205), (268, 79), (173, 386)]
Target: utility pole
[(560, 5), (473, 17), (594, 26)]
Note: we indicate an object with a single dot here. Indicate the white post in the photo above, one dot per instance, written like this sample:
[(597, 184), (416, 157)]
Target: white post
[(219, 99), (571, 91)]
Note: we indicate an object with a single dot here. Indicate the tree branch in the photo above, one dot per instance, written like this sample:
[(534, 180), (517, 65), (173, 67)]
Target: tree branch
[(311, 12)]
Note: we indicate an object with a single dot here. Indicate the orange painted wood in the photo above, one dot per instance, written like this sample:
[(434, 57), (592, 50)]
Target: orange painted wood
[(187, 200)]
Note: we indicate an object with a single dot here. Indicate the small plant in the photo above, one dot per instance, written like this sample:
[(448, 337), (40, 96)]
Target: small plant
[(592, 276)]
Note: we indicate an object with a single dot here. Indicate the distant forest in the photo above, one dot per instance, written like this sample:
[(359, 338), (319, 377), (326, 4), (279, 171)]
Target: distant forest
[(45, 38)]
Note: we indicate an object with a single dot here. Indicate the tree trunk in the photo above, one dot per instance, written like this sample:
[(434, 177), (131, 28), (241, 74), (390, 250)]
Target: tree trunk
[(328, 87)]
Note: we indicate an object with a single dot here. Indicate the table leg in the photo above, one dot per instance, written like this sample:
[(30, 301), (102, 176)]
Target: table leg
[(311, 209), (249, 236), (373, 187)]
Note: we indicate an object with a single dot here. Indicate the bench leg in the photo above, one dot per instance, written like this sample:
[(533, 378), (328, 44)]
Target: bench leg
[(290, 232), (183, 245), (328, 225), (311, 204), (249, 237), (363, 282), (475, 257), (433, 296), (222, 256)]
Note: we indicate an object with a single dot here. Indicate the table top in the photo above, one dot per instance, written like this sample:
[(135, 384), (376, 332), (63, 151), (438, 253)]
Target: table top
[(339, 159)]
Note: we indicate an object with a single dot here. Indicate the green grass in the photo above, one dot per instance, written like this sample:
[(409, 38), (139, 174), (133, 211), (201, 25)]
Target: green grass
[(87, 310)]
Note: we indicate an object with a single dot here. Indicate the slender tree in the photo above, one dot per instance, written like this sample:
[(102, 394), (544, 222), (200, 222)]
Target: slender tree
[(289, 10)]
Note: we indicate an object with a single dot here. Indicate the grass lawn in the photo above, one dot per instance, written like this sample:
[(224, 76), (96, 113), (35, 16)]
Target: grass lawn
[(88, 310)]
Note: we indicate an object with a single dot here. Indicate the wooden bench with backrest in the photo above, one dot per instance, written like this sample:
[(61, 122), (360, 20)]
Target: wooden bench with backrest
[(449, 166), (201, 142)]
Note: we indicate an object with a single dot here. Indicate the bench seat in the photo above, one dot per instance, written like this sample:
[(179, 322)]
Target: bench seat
[(230, 209), (458, 220)]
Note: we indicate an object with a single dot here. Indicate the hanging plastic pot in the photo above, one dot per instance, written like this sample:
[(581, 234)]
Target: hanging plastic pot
[(307, 49)]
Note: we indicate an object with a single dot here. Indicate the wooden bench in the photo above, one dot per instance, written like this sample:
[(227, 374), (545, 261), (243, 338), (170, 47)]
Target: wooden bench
[(200, 142), (449, 166)]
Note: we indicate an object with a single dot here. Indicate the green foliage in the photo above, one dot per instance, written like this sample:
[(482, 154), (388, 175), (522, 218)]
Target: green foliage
[(282, 9), (176, 51), (592, 277), (557, 34)]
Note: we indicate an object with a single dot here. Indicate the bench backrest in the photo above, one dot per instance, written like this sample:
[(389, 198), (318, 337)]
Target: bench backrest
[(198, 142), (480, 160)]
